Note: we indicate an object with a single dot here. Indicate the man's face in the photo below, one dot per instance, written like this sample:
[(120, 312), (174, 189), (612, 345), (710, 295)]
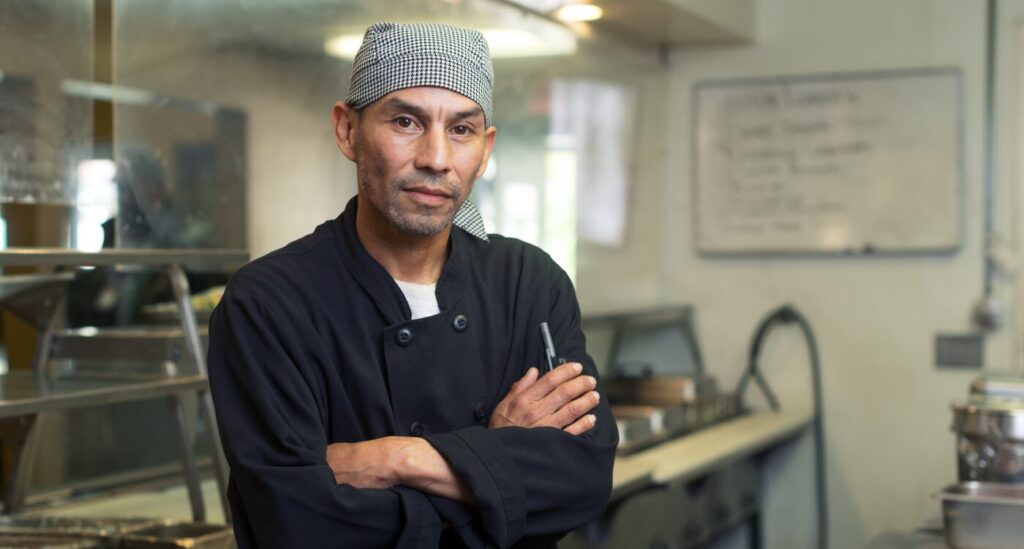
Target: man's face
[(417, 153)]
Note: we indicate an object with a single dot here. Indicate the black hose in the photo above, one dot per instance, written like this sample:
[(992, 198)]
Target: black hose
[(787, 315)]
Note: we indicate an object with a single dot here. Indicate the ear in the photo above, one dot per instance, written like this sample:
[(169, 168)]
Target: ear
[(344, 118), (488, 147)]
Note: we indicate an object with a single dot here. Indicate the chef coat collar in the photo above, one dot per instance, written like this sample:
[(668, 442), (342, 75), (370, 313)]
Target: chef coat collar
[(377, 282)]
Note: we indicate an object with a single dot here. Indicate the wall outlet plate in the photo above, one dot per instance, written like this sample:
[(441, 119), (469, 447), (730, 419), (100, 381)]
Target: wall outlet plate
[(959, 351)]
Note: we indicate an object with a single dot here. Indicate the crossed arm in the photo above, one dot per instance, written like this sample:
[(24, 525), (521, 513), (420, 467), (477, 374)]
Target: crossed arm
[(290, 489), (560, 399)]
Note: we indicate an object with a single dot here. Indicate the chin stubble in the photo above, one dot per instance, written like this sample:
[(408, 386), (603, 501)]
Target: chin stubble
[(415, 225)]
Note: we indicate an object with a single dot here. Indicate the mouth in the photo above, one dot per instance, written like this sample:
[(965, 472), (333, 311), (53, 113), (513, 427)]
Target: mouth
[(432, 196)]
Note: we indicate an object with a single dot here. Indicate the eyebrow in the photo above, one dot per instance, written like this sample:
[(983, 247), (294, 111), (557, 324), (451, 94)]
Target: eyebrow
[(396, 104)]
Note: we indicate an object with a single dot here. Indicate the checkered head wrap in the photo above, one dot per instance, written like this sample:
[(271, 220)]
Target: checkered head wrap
[(397, 56)]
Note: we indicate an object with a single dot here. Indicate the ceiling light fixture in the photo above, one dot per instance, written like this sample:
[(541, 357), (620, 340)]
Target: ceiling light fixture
[(578, 13), (503, 42)]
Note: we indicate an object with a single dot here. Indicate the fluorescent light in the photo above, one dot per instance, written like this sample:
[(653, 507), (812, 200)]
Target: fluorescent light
[(344, 46), (542, 6), (96, 202), (578, 13), (96, 171), (114, 94), (503, 43)]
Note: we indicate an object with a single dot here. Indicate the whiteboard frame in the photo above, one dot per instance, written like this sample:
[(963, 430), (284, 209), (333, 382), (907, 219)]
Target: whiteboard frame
[(882, 74)]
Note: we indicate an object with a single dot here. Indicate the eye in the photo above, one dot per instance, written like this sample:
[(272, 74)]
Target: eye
[(462, 129), (404, 122)]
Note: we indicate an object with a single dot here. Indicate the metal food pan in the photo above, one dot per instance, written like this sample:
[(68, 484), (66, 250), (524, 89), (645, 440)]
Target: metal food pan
[(173, 535), (15, 540), (56, 525), (981, 515)]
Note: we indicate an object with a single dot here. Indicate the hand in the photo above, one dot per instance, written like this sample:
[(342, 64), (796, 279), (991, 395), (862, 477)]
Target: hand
[(389, 461), (559, 399)]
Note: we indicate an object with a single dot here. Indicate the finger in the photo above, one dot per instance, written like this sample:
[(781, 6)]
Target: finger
[(582, 425), (574, 410), (566, 393), (524, 383), (553, 379)]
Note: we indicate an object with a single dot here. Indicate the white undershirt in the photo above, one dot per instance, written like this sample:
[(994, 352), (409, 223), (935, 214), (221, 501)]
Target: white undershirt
[(422, 298)]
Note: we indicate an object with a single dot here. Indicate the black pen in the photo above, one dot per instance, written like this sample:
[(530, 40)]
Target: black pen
[(549, 347)]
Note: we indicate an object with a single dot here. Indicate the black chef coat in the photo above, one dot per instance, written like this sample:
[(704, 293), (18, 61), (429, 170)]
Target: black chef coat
[(313, 344)]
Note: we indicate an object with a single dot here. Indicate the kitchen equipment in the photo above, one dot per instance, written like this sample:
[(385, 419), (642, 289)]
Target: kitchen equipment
[(980, 515), (98, 527), (172, 535), (673, 390), (1004, 386), (659, 419), (645, 426), (49, 541), (990, 440), (633, 429)]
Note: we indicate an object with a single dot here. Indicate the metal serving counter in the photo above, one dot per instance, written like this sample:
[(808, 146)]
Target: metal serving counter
[(25, 393), (915, 540), (704, 451), (38, 299), (685, 492), (63, 257)]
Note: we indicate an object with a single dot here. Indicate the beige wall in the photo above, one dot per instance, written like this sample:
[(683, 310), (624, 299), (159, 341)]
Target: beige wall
[(886, 406)]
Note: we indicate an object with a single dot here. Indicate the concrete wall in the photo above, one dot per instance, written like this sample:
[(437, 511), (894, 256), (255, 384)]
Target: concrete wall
[(887, 414)]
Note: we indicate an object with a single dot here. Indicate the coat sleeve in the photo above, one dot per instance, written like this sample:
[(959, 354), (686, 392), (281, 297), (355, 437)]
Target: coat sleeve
[(539, 482), (266, 392)]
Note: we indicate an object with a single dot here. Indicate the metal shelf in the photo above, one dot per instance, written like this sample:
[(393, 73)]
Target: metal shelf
[(25, 393), (65, 257)]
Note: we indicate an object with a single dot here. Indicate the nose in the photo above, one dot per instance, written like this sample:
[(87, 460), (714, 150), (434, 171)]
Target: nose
[(434, 151)]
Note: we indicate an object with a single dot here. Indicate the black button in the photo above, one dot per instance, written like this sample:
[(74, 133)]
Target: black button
[(480, 412), (416, 429), (460, 323), (404, 337)]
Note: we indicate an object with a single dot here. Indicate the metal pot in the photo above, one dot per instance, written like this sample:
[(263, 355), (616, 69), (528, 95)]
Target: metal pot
[(990, 440), (978, 515)]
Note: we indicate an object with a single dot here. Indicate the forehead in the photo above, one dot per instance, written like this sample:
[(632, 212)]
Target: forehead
[(429, 99)]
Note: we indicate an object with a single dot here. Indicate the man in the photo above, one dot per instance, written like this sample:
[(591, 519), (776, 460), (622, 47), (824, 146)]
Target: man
[(376, 381)]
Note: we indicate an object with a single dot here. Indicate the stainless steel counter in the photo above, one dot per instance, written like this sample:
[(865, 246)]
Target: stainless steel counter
[(25, 393), (64, 257), (698, 453), (914, 540)]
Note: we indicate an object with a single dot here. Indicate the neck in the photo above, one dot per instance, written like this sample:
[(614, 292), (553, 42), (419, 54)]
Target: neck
[(409, 258)]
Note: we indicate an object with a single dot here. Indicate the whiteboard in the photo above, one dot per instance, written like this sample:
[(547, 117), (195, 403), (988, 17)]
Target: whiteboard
[(853, 163)]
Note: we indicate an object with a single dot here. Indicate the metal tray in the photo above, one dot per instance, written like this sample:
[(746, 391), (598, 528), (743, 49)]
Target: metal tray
[(15, 540), (995, 419), (62, 526), (1004, 386), (172, 535), (659, 391), (980, 515)]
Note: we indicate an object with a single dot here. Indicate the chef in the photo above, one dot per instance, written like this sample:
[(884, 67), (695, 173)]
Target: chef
[(382, 382)]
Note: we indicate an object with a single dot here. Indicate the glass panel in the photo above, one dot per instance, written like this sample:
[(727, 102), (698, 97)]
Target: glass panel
[(278, 66), (214, 131), (44, 46)]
